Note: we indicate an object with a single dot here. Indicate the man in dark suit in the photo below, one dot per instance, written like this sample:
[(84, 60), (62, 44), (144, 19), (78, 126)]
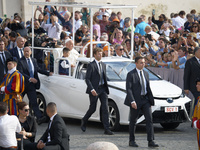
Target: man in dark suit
[(17, 52), (139, 98), (4, 55), (56, 136), (97, 87), (29, 69), (191, 73)]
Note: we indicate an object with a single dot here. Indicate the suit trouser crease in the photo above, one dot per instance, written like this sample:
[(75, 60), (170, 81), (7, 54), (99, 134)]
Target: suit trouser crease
[(146, 110), (32, 96), (102, 95)]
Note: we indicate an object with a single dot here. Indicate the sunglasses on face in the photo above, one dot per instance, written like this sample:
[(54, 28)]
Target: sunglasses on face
[(104, 16), (136, 37), (121, 49), (160, 17), (194, 26), (26, 110)]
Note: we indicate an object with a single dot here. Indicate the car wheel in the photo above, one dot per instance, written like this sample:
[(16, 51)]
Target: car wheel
[(113, 116), (41, 103), (169, 125)]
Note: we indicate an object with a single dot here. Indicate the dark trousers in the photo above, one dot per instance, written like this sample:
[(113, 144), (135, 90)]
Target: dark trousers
[(32, 96), (102, 95), (25, 142), (33, 146), (145, 107), (196, 95)]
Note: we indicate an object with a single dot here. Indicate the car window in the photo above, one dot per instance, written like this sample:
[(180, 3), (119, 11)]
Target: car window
[(81, 71), (117, 71)]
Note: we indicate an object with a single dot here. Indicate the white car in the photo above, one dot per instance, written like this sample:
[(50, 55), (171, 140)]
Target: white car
[(171, 108)]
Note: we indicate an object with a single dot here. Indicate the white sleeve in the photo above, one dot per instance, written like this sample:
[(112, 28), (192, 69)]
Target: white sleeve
[(58, 27), (64, 64), (18, 126), (45, 26)]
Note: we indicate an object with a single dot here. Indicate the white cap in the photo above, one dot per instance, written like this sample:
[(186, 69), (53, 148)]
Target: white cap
[(105, 14)]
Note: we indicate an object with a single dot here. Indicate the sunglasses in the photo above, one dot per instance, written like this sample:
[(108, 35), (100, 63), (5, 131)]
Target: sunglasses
[(121, 49), (26, 110), (195, 27), (160, 17), (136, 37), (104, 16)]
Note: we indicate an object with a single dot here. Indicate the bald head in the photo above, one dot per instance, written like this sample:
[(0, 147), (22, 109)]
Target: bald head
[(69, 44)]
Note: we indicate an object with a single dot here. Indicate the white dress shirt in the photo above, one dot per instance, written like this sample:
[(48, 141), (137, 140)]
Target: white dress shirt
[(53, 31), (178, 22), (19, 52), (51, 120), (78, 24), (145, 84), (9, 125)]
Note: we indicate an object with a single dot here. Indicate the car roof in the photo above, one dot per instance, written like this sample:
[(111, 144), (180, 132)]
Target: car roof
[(104, 59)]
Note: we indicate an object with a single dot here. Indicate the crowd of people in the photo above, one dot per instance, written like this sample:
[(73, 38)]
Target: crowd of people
[(164, 43)]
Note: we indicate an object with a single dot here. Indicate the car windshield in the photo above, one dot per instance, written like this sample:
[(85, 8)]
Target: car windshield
[(117, 71)]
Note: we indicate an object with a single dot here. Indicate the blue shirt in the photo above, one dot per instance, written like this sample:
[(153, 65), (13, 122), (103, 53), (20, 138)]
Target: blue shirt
[(153, 52), (182, 60), (121, 23), (140, 28)]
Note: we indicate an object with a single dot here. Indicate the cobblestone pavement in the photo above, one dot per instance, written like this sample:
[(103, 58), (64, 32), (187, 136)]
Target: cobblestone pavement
[(182, 138)]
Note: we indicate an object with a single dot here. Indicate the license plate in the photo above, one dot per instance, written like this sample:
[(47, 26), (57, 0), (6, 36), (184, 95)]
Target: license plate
[(171, 109)]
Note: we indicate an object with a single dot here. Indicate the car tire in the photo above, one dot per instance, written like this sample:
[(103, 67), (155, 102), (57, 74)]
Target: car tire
[(169, 125), (113, 113), (41, 103)]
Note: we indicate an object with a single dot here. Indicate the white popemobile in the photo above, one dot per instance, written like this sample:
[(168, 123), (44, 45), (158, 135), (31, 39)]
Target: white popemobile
[(68, 92), (171, 108)]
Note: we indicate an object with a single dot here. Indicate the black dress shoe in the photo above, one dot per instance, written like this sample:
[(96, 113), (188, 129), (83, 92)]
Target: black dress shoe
[(83, 125), (108, 132), (152, 144), (133, 144), (41, 120)]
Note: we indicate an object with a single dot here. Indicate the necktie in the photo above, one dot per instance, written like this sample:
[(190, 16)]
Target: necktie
[(101, 75), (30, 68), (142, 82), (21, 50), (4, 62)]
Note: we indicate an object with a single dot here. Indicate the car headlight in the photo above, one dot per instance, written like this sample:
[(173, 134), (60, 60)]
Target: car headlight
[(182, 94)]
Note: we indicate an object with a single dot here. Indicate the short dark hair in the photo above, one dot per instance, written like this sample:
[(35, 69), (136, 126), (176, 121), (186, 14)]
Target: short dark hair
[(183, 49), (97, 49), (13, 34), (196, 49), (78, 12), (182, 12), (3, 107), (197, 80), (138, 58), (52, 107), (1, 40), (65, 49)]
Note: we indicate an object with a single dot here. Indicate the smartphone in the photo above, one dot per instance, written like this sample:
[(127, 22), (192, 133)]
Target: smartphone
[(149, 37), (198, 35), (153, 11), (142, 43)]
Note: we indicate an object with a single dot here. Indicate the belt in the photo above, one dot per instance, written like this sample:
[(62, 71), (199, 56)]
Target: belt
[(143, 96), (101, 86), (9, 147)]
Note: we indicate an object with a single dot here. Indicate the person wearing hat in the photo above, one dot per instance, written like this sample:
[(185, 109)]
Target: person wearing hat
[(104, 22), (12, 85), (191, 73), (196, 114), (127, 25)]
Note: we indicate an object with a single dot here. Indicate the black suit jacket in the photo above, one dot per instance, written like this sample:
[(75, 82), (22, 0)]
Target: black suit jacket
[(32, 128), (133, 88), (58, 134), (14, 53), (23, 68), (8, 55), (191, 73), (93, 77)]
